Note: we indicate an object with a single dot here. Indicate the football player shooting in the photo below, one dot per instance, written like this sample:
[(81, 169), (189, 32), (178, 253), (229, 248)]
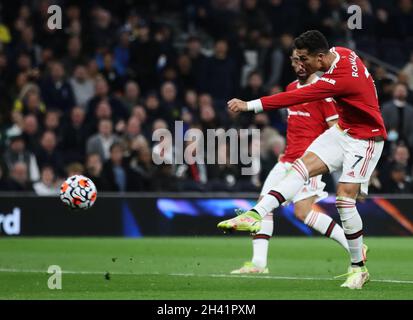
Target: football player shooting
[(354, 145), (305, 123)]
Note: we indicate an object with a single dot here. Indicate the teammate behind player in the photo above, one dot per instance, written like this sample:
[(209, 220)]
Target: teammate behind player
[(305, 123), (354, 145)]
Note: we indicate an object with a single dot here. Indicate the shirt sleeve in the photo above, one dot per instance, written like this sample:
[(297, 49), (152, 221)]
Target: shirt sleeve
[(325, 87)]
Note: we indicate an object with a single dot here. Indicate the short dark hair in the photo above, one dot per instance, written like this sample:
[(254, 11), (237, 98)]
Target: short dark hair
[(313, 40)]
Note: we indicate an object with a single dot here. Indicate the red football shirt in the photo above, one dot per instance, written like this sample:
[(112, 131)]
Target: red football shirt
[(306, 121), (351, 86)]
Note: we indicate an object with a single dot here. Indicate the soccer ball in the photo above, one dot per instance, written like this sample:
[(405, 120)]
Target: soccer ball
[(78, 192)]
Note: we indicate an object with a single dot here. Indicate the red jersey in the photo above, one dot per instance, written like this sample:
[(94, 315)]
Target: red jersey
[(351, 86), (306, 121)]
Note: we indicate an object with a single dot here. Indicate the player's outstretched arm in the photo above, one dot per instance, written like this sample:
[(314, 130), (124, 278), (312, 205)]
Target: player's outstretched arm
[(324, 88)]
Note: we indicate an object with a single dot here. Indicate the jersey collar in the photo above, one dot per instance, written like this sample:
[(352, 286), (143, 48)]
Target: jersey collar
[(307, 84), (333, 66)]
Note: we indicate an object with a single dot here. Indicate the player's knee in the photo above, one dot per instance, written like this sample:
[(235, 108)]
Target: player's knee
[(348, 190), (313, 165)]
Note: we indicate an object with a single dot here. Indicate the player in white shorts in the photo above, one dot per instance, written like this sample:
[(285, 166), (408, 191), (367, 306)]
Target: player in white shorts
[(353, 145), (305, 123)]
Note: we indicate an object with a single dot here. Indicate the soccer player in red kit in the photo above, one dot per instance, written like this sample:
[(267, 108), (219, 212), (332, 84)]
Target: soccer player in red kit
[(354, 145), (305, 123)]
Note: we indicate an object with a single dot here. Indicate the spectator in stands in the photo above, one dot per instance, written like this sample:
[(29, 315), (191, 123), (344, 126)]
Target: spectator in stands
[(121, 52), (140, 113), (30, 101), (118, 173), (398, 182), (254, 87), (83, 87), (103, 29), (138, 145), (103, 111), (208, 118), (17, 152), (281, 72), (48, 154), (400, 156), (218, 74), (143, 165), (110, 72), (56, 90), (169, 102), (47, 186), (100, 142), (253, 90), (191, 101), (94, 167), (153, 108), (132, 132), (19, 178), (398, 115), (31, 132), (102, 94), (28, 45), (74, 55), (253, 16), (75, 133), (144, 58), (186, 77), (194, 51), (131, 95), (52, 123)]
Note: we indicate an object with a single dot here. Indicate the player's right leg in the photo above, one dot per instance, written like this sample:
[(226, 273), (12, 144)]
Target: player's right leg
[(319, 221), (324, 154), (302, 169)]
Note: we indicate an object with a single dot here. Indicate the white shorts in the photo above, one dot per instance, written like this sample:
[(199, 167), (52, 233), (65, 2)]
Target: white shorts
[(357, 158), (314, 187)]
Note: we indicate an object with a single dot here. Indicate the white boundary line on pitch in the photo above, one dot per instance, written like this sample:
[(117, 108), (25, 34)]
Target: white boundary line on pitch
[(5, 270)]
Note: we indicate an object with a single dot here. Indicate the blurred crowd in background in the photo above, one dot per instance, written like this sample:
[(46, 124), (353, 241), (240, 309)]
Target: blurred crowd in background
[(86, 99)]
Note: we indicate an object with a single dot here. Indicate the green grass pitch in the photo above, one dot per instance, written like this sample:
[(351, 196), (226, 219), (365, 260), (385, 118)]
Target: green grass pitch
[(197, 268)]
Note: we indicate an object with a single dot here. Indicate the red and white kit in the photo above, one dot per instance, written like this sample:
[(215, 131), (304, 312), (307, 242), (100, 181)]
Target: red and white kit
[(356, 143), (305, 123)]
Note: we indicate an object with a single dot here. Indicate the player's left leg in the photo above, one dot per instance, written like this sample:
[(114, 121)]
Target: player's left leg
[(361, 157), (319, 221), (357, 274)]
